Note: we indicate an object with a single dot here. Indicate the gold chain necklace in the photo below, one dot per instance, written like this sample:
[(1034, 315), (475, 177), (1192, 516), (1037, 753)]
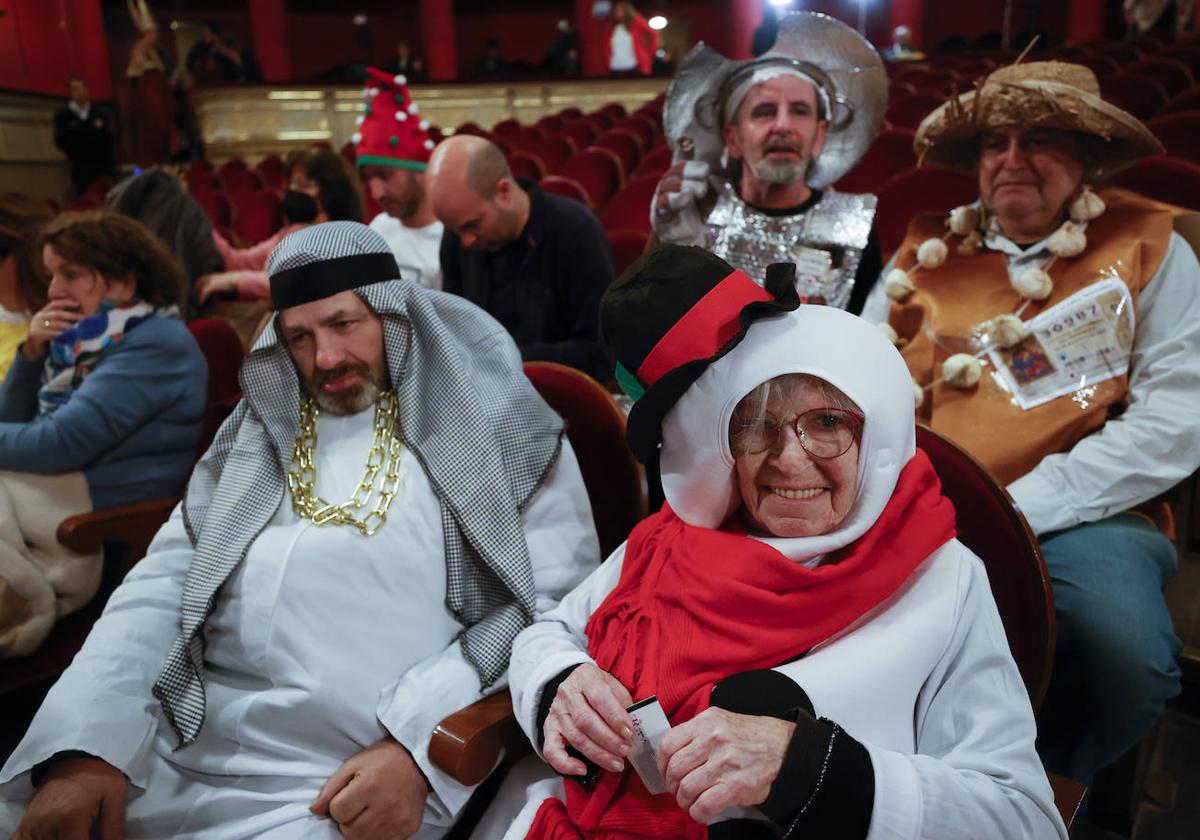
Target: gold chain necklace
[(386, 448)]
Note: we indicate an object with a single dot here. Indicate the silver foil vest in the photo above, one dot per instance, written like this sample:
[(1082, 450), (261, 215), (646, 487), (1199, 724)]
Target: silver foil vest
[(838, 225)]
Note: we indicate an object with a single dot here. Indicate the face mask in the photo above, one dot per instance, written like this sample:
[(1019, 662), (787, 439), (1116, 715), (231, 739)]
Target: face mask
[(298, 207)]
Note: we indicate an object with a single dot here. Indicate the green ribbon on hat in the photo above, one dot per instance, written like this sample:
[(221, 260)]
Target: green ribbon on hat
[(629, 383)]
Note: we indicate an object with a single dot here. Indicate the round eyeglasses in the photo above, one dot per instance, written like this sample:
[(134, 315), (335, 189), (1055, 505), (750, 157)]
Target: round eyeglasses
[(823, 432)]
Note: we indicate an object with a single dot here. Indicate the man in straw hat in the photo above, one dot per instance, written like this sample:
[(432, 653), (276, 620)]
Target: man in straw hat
[(1053, 330), (276, 669), (756, 145)]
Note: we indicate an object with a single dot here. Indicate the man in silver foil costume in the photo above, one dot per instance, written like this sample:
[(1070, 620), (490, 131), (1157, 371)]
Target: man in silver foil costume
[(756, 145)]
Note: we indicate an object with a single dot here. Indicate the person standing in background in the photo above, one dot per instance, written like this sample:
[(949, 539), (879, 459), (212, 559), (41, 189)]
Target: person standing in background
[(631, 42), (83, 131)]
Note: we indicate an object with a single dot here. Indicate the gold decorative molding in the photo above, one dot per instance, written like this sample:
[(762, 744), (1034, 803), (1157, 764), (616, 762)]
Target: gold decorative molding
[(255, 121), (29, 160)]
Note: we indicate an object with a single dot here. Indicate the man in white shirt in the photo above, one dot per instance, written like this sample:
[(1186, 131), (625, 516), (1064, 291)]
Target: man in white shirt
[(311, 648), (1053, 332), (393, 145)]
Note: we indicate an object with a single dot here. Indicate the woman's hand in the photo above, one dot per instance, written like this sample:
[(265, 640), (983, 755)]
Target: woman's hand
[(588, 714), (720, 759), (47, 323)]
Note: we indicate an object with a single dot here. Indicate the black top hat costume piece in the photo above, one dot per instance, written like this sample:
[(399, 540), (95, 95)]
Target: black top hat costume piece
[(672, 314)]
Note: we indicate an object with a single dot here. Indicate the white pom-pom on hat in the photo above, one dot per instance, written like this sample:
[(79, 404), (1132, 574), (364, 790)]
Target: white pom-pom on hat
[(896, 284), (401, 116), (888, 331), (400, 79), (962, 370), (413, 109), (932, 253), (424, 125), (1068, 241), (356, 138), (428, 144), (1034, 284), (1086, 206), (963, 220), (359, 119)]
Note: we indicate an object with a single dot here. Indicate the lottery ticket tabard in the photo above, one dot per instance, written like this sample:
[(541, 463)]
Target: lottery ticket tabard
[(1073, 345)]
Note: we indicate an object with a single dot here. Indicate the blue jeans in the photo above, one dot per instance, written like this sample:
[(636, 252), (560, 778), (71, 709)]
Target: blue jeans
[(1115, 664)]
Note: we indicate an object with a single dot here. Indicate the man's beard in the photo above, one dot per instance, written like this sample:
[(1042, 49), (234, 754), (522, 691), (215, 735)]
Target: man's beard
[(349, 400), (780, 172)]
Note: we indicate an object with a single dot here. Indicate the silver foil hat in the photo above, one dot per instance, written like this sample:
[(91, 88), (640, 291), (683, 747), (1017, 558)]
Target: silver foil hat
[(825, 49)]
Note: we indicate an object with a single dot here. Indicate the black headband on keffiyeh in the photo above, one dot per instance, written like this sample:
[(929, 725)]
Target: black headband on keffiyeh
[(484, 438)]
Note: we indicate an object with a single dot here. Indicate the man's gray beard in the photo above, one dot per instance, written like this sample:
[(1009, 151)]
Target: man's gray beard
[(350, 401), (781, 172)]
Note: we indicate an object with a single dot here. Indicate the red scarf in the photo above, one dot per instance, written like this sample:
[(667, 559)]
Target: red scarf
[(694, 606)]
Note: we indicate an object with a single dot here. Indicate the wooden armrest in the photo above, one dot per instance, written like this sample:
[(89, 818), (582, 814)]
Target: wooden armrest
[(468, 743), (1068, 795), (132, 525)]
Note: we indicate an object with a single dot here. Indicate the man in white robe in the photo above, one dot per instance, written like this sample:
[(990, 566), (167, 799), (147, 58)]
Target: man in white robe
[(307, 664)]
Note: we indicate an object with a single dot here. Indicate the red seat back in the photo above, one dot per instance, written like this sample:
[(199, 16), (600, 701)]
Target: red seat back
[(625, 145), (223, 351), (553, 150), (917, 191), (1138, 95), (1167, 179), (596, 430), (567, 188), (598, 171), (1180, 133), (1173, 75), (216, 206), (989, 525), (910, 110), (526, 165), (625, 246), (656, 162), (1189, 100), (891, 152), (629, 209), (582, 132), (258, 216)]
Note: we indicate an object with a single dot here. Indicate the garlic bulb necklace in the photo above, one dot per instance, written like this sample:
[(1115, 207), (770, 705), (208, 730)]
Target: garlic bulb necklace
[(963, 370)]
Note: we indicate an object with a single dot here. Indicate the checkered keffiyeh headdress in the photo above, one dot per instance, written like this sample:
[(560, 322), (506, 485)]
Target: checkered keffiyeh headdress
[(479, 430)]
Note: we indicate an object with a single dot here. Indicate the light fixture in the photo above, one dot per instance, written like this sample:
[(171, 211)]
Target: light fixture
[(658, 22), (780, 3)]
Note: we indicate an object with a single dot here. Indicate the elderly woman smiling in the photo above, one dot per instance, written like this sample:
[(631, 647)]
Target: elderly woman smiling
[(829, 657)]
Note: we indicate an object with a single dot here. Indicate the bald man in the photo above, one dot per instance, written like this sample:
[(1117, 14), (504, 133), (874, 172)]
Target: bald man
[(537, 263)]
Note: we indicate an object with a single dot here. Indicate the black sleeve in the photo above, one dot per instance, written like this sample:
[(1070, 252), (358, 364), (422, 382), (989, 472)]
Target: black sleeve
[(869, 269), (60, 130), (583, 271), (549, 691), (826, 784), (448, 257)]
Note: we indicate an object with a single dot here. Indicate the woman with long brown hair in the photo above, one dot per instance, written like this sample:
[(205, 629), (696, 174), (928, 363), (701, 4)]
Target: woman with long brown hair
[(103, 406)]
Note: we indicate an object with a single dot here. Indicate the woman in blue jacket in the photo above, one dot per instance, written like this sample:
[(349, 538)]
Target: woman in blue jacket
[(103, 406)]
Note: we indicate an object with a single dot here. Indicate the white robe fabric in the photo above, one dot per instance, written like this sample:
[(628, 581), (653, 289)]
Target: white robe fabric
[(925, 681), (322, 642), (417, 250)]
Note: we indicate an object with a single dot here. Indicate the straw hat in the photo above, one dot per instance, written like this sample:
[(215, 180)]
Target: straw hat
[(1045, 94)]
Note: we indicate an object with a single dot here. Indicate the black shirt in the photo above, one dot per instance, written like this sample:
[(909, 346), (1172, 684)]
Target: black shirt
[(545, 285)]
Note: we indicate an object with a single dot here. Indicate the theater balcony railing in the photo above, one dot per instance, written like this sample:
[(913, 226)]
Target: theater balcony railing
[(251, 121)]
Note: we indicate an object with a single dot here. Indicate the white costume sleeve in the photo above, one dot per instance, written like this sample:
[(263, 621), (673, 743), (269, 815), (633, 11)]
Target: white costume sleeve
[(1156, 442), (562, 548), (102, 704), (875, 309), (555, 641), (975, 763)]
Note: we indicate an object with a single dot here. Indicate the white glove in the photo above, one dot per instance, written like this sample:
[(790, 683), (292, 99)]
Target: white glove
[(675, 212)]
